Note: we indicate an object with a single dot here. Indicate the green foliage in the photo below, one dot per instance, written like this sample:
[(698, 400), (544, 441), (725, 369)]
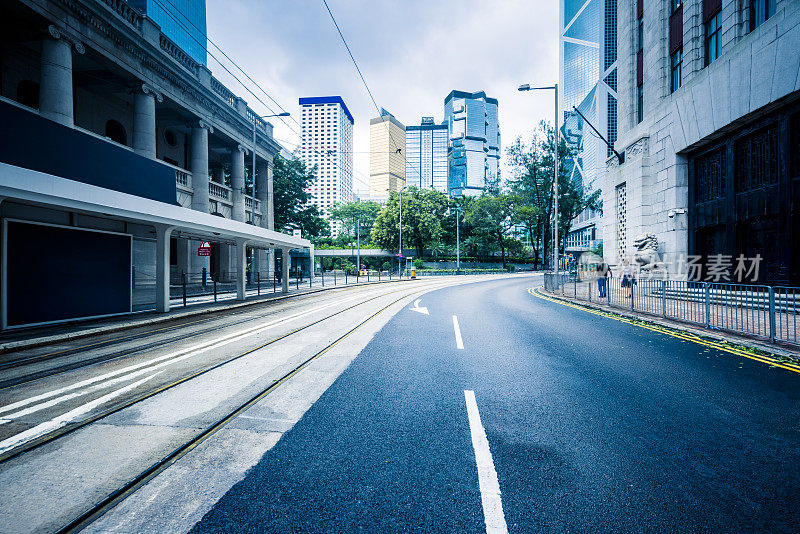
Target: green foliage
[(419, 263), (491, 217), (386, 266), (532, 183), (291, 179), (350, 213), (423, 211)]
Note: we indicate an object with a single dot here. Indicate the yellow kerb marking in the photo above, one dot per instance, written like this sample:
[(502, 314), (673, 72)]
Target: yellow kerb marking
[(679, 335)]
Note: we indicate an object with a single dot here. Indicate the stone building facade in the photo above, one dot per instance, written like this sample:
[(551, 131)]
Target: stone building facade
[(708, 123), (96, 99)]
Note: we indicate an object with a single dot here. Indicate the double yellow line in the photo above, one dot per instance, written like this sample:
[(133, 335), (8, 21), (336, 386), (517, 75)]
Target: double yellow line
[(680, 335)]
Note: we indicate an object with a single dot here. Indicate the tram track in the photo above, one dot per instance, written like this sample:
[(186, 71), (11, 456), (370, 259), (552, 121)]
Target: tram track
[(48, 373), (72, 427), (118, 495)]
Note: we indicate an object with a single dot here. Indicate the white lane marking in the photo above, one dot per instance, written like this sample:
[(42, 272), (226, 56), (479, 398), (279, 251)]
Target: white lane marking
[(419, 309), (487, 476), (160, 361), (57, 422), (459, 341)]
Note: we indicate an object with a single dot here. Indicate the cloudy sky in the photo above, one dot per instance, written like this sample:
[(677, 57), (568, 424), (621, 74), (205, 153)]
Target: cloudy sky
[(411, 52)]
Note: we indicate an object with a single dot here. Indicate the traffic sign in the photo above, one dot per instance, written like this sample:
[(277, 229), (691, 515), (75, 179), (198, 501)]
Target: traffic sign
[(204, 249)]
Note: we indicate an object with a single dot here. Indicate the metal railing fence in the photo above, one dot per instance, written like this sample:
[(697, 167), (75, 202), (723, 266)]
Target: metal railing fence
[(769, 312)]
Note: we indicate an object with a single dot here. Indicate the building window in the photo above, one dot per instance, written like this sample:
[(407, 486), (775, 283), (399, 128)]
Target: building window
[(758, 159), (713, 42), (760, 10), (676, 67), (28, 93), (116, 132), (639, 104), (710, 175)]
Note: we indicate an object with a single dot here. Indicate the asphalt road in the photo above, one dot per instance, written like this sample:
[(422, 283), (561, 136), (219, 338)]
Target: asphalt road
[(593, 425)]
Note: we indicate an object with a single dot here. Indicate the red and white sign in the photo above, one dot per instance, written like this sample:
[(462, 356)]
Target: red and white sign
[(204, 249)]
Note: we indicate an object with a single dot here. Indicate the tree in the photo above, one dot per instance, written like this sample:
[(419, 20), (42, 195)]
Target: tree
[(423, 212), (492, 216), (349, 213), (532, 166), (291, 180)]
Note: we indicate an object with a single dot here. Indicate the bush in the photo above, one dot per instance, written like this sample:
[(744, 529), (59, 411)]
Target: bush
[(419, 263), (386, 266)]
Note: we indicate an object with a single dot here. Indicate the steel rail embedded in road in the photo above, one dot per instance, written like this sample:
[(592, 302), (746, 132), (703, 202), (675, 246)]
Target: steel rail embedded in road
[(142, 478), (217, 315), (68, 429), (40, 375)]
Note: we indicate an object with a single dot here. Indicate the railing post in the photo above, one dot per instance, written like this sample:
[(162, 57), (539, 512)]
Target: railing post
[(310, 281), (322, 275), (183, 283), (589, 285), (708, 304), (664, 298), (771, 314), (274, 281), (204, 276), (297, 281), (258, 283), (345, 278), (215, 288)]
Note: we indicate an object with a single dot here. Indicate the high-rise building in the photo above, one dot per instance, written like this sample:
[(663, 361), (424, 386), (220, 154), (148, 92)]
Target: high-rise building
[(182, 21), (327, 142), (588, 81), (387, 149), (473, 152), (709, 125), (426, 155)]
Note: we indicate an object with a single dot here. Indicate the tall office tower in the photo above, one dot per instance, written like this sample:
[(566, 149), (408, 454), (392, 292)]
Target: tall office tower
[(588, 81), (183, 21), (426, 155), (387, 155), (473, 152), (327, 142)]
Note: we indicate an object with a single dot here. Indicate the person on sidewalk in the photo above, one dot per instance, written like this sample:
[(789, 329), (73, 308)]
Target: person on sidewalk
[(628, 277), (603, 273)]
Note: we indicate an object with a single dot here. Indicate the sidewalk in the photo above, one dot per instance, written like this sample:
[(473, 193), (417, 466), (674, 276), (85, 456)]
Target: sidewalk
[(25, 338), (784, 350)]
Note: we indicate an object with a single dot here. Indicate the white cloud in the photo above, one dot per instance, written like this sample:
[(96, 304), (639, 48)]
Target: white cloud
[(412, 54)]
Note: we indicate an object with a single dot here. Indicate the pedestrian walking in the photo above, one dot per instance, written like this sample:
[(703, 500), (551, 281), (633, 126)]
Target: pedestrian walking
[(628, 277), (603, 273)]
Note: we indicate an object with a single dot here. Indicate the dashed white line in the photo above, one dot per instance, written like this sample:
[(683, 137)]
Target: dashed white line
[(487, 476), (459, 341)]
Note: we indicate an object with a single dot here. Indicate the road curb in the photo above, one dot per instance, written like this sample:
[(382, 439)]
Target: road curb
[(715, 335), (128, 325)]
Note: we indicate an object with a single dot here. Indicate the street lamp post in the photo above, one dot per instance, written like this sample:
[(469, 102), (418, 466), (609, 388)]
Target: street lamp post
[(400, 252), (458, 243), (527, 87)]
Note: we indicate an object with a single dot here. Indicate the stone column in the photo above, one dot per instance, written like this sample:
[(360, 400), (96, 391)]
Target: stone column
[(198, 165), (163, 234), (264, 187), (285, 263), (144, 120), (241, 268), (55, 93), (237, 182)]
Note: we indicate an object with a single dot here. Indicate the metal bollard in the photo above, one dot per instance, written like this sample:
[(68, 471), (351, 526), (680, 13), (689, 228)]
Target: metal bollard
[(310, 280), (334, 277), (204, 276), (367, 276), (379, 275), (345, 278), (274, 282), (215, 288), (322, 274), (258, 283), (297, 280)]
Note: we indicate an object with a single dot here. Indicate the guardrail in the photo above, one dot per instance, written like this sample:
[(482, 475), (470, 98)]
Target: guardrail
[(769, 312)]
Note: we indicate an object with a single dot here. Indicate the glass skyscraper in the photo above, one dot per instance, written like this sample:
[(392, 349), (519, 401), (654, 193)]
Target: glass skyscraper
[(474, 149), (588, 81), (426, 155), (183, 21)]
